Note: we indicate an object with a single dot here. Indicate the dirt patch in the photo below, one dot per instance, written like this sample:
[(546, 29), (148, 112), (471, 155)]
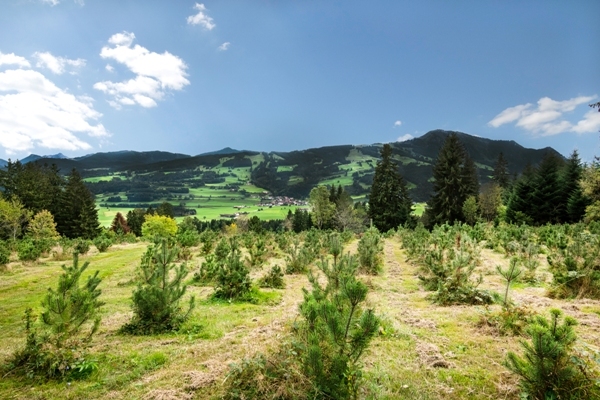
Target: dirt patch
[(430, 356), (167, 394)]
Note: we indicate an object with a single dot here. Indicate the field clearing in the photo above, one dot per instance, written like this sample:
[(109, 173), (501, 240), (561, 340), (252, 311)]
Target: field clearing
[(425, 351)]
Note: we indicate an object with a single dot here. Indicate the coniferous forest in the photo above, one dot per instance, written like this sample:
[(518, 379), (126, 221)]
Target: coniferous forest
[(492, 291)]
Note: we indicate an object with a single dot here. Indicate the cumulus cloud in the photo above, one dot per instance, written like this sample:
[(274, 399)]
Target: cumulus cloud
[(397, 123), (156, 74), (57, 65), (224, 46), (404, 138), (547, 118), (35, 112), (12, 59), (201, 18), (109, 68)]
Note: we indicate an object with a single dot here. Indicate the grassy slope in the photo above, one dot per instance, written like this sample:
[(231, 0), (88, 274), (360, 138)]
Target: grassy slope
[(399, 363)]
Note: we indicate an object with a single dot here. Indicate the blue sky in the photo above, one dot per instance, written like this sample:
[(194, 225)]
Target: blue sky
[(82, 76)]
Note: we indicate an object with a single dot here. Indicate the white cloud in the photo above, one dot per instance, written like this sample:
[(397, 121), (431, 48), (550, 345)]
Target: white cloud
[(57, 65), (201, 18), (12, 59), (404, 138), (397, 123), (224, 46), (109, 68), (35, 112), (547, 118), (155, 73), (53, 3)]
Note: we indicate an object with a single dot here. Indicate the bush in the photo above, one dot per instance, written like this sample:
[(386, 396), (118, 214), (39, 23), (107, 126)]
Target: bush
[(102, 243), (156, 299), (274, 279), (28, 250), (4, 253), (232, 280), (575, 268), (188, 238), (81, 246), (370, 248), (550, 369), (59, 350)]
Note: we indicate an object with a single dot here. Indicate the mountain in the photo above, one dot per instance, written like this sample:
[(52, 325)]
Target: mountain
[(292, 173), (3, 163), (226, 150), (30, 158)]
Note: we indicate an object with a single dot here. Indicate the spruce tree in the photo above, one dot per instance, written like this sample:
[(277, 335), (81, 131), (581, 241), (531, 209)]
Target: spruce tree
[(77, 216), (520, 204), (119, 225), (135, 220), (572, 196), (454, 180), (500, 173), (389, 203), (547, 192)]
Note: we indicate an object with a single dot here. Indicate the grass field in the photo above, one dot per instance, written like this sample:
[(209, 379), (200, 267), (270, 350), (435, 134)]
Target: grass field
[(425, 351)]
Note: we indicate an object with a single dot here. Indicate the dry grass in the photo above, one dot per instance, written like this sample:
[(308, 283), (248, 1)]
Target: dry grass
[(424, 351)]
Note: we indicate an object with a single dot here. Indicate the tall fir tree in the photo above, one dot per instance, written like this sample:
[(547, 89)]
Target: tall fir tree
[(77, 216), (547, 191), (520, 204), (389, 203), (454, 180), (500, 174), (572, 196)]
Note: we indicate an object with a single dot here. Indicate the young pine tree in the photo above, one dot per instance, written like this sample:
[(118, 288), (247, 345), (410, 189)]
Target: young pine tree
[(66, 332), (156, 300), (389, 203)]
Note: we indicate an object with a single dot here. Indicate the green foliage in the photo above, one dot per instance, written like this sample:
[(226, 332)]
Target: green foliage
[(232, 280), (81, 246), (135, 220), (188, 238), (335, 331), (575, 268), (274, 279), (389, 203), (207, 241), (509, 320), (297, 258), (454, 180), (257, 251), (29, 250), (470, 210), (550, 369), (4, 253), (510, 275), (59, 349), (42, 226), (13, 215), (370, 252), (77, 215), (159, 225), (102, 243), (322, 208), (448, 264), (156, 300)]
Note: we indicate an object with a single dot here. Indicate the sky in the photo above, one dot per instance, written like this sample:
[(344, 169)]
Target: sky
[(86, 76)]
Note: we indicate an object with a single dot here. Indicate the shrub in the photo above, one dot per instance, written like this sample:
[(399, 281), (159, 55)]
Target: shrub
[(61, 345), (188, 238), (4, 254), (156, 299), (274, 279), (232, 280), (28, 250), (102, 243), (575, 268), (42, 226), (81, 246), (550, 369), (297, 258), (370, 248)]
